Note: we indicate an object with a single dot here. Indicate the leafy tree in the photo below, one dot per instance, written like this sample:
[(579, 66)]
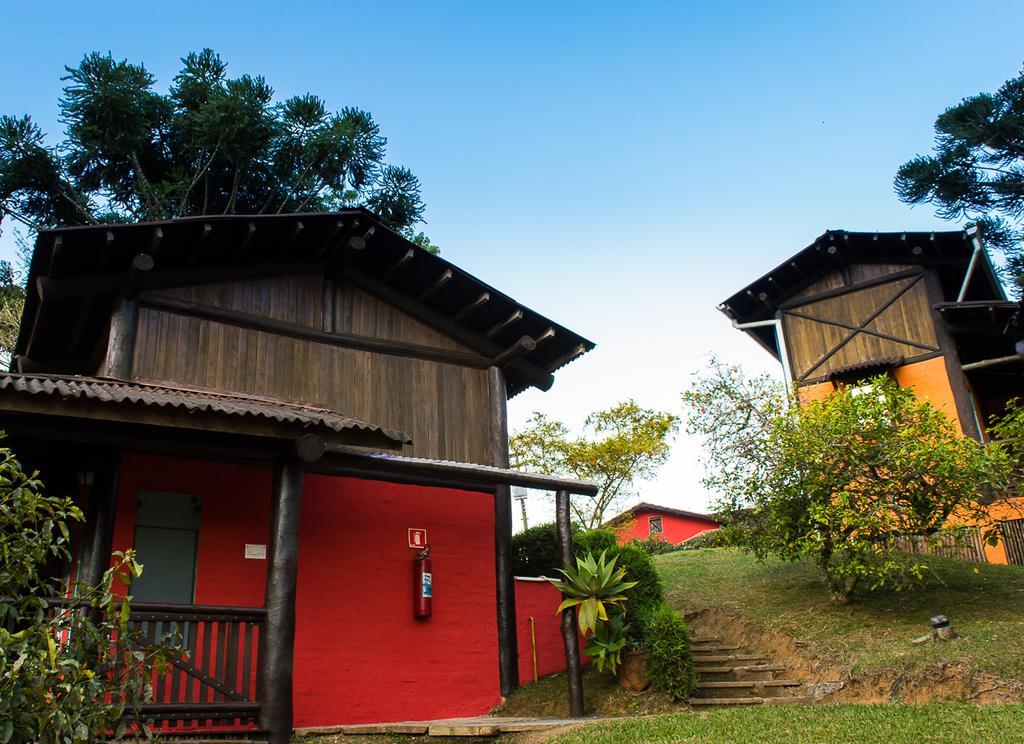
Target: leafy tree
[(12, 301), (977, 169), (619, 445), (835, 481), (211, 144), (66, 675)]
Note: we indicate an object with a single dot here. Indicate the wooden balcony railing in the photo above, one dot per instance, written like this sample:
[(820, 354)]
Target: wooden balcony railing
[(213, 681)]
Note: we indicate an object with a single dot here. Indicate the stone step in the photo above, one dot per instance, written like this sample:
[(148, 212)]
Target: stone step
[(794, 700), (713, 659), (746, 688), (706, 639), (749, 684), (713, 648), (741, 669), (695, 701)]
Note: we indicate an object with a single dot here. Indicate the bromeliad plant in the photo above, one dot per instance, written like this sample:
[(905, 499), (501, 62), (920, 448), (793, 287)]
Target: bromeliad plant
[(594, 586)]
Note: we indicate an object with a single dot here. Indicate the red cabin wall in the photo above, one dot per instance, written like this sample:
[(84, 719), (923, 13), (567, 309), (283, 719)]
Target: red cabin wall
[(360, 656), (235, 503), (536, 598), (675, 528)]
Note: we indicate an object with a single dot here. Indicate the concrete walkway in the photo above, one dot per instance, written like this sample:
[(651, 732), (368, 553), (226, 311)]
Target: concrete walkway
[(479, 726)]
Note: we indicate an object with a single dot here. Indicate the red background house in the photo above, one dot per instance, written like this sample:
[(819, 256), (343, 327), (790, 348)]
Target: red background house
[(672, 525)]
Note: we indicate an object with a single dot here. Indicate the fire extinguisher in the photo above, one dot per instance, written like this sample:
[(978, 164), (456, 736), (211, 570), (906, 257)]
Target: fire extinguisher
[(422, 590)]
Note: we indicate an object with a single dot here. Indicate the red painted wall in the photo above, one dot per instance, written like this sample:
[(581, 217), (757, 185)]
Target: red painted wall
[(536, 598), (235, 504), (675, 528), (360, 656)]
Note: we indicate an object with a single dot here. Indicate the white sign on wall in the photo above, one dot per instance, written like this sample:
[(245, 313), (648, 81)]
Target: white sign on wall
[(256, 552)]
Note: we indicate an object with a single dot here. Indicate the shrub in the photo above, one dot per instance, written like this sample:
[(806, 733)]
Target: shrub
[(595, 541), (653, 545), (646, 595), (669, 659), (714, 539), (535, 550), (65, 675)]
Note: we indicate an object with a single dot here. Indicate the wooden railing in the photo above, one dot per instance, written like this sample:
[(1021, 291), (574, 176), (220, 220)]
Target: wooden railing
[(213, 679)]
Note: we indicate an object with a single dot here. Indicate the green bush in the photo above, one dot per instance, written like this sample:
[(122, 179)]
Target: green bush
[(646, 596), (535, 550), (716, 539), (596, 542), (669, 658), (653, 545)]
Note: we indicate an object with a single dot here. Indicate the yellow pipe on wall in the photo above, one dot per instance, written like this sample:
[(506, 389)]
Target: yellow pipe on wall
[(533, 646)]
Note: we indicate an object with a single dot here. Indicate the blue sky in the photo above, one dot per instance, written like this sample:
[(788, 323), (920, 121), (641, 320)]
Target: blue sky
[(621, 167)]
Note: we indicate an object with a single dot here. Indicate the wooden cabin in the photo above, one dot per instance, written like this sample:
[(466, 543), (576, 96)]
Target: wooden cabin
[(651, 521), (926, 308), (278, 413)]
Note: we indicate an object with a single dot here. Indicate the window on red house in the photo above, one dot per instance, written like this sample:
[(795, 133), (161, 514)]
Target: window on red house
[(654, 525)]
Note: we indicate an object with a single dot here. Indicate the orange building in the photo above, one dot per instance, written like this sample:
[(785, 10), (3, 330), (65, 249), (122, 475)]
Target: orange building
[(926, 308)]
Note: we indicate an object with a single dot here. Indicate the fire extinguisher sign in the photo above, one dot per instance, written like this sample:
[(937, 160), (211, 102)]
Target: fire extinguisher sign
[(417, 538)]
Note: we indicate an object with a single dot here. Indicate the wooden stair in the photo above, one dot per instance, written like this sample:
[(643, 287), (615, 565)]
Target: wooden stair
[(734, 675)]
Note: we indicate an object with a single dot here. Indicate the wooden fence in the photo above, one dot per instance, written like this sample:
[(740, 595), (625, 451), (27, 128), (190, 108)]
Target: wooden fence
[(965, 544), (1013, 541)]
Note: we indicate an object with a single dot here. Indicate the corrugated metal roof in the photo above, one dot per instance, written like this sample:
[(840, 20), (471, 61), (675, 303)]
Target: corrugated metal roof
[(122, 392), (472, 471)]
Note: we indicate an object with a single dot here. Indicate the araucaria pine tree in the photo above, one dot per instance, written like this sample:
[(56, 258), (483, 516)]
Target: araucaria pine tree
[(977, 170), (211, 144)]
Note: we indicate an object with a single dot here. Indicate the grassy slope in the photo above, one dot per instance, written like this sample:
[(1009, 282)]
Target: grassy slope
[(873, 633), (940, 723)]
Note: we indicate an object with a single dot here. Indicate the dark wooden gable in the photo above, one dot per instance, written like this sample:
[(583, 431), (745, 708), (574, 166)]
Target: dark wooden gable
[(855, 315), (334, 310), (441, 403)]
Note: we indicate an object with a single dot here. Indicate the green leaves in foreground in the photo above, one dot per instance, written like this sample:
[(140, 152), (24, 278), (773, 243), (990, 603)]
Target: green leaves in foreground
[(606, 644), (593, 586)]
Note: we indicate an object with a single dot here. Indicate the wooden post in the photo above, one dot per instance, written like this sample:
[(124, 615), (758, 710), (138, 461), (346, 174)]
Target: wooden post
[(121, 342), (508, 645), (570, 639), (277, 644), (97, 538), (962, 395)]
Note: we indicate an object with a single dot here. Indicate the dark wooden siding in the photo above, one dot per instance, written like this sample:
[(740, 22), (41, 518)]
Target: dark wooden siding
[(443, 407), (824, 323)]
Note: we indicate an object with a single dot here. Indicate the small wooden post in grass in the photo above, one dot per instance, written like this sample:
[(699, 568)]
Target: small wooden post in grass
[(570, 638)]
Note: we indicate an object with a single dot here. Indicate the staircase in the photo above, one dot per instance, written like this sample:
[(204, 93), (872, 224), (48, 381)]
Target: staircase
[(734, 675)]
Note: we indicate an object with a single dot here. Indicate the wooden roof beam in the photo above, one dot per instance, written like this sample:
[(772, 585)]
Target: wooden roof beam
[(520, 348), (471, 307), (286, 246), (204, 235), (436, 285), (398, 265), (498, 327), (243, 245)]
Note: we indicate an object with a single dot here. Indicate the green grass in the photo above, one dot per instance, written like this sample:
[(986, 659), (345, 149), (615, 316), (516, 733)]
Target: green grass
[(984, 603), (852, 724)]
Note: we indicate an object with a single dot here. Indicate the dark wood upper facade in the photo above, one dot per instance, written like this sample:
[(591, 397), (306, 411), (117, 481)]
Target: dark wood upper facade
[(333, 311)]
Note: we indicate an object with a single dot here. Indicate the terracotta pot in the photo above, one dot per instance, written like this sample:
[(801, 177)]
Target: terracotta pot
[(632, 672)]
